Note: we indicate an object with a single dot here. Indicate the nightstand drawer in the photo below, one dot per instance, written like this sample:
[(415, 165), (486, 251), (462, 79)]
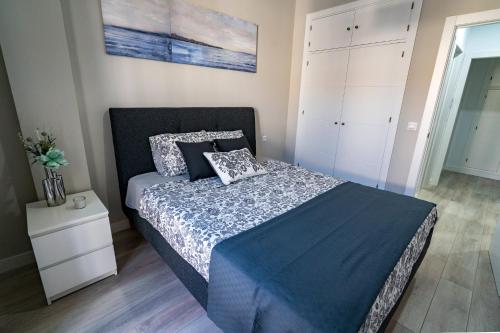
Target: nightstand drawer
[(64, 278), (67, 243)]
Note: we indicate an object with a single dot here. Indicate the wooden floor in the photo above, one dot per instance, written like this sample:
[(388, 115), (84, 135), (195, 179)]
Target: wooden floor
[(145, 296), (452, 291)]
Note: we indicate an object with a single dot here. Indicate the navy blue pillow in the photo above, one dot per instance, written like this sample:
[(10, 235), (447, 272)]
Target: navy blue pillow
[(225, 145), (197, 165)]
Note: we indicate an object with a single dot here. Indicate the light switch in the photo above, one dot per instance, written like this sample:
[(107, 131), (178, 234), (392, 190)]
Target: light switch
[(412, 126), (264, 138)]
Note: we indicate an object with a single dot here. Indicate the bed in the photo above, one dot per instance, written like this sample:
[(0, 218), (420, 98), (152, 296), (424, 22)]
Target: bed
[(131, 129)]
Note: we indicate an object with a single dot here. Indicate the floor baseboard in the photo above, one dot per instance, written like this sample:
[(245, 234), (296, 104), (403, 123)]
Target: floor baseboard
[(16, 261), (472, 172), (120, 225)]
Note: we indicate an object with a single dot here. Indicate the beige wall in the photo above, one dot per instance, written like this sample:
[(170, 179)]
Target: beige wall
[(16, 182), (106, 81), (38, 66), (433, 15)]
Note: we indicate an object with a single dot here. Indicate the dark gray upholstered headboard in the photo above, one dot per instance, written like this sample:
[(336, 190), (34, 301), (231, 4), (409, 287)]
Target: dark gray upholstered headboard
[(131, 128)]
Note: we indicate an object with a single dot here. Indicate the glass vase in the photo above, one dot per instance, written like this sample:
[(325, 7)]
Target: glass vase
[(53, 187)]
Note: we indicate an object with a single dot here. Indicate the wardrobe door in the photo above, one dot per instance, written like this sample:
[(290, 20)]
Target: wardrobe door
[(331, 32), (373, 95), (321, 104), (382, 22), (484, 153), (376, 66)]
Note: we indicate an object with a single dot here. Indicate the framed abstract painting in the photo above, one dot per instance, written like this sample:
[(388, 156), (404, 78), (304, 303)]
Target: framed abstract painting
[(180, 32)]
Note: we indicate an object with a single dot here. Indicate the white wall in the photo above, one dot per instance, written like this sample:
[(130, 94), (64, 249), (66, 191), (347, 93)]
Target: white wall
[(38, 66), (470, 107)]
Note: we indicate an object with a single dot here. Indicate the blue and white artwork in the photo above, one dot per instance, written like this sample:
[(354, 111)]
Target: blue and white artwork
[(177, 31)]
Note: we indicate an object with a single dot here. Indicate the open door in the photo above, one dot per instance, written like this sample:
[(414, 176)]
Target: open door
[(456, 76)]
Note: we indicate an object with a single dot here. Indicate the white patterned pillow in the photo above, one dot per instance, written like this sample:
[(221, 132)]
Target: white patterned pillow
[(234, 165), (168, 158)]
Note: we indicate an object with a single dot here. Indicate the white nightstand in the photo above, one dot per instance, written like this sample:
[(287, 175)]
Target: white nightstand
[(73, 247)]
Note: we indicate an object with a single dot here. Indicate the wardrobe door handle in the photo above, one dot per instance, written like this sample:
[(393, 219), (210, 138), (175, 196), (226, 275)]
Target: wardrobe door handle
[(356, 27), (343, 124), (336, 123), (348, 28)]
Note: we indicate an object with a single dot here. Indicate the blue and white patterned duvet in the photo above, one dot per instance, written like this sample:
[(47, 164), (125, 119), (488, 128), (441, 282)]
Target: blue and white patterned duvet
[(194, 216)]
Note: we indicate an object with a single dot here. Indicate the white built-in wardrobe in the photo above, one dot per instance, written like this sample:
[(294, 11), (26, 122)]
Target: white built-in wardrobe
[(355, 65)]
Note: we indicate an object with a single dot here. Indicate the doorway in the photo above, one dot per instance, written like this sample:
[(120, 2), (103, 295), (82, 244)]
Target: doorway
[(466, 128), (457, 166), (474, 148)]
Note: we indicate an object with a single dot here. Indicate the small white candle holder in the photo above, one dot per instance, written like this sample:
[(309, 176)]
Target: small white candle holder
[(80, 202)]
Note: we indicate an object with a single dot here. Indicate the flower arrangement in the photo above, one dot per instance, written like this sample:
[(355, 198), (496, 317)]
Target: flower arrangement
[(43, 150)]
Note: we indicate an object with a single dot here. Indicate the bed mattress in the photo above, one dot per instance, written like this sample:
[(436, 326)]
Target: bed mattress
[(137, 185)]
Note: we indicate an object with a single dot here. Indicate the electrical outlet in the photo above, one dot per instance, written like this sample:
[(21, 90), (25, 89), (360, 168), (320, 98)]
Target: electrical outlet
[(412, 126)]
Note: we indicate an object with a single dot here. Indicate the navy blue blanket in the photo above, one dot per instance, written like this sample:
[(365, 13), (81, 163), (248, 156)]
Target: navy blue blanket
[(316, 268)]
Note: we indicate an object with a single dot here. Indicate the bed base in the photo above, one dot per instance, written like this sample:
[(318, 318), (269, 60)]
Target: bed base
[(192, 280)]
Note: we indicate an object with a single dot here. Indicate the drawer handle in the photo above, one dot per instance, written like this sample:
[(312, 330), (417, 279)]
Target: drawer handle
[(343, 124), (348, 28), (356, 27), (336, 123)]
